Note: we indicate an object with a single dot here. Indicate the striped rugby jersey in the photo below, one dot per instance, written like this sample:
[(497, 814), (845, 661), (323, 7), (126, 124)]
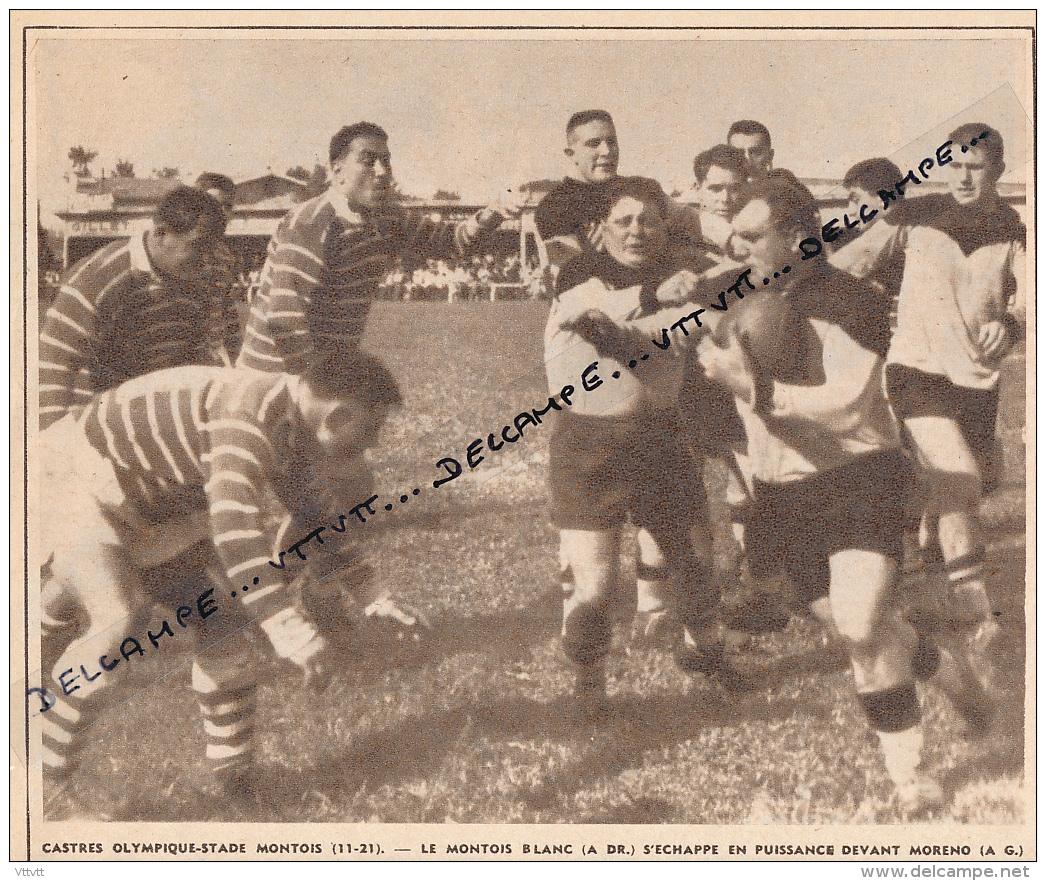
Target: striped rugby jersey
[(114, 319), (322, 273), (207, 437)]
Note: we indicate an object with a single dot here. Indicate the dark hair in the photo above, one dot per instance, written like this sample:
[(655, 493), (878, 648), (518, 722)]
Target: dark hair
[(873, 175), (184, 209), (722, 156), (341, 141), (338, 372), (211, 180), (987, 138), (792, 205), (640, 188), (583, 117), (748, 127)]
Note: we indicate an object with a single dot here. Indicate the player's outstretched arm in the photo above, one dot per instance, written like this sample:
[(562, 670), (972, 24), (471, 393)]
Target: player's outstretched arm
[(64, 340)]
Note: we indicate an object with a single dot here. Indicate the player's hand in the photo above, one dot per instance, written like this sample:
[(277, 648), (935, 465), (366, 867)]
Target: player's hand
[(594, 236), (593, 325), (723, 273), (729, 365), (293, 637), (386, 609), (511, 203), (993, 340)]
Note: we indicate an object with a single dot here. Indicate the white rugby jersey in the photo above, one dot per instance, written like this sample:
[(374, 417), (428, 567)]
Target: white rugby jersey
[(963, 267)]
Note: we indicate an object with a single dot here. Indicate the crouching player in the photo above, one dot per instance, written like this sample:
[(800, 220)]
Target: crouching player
[(616, 454), (830, 479), (156, 466)]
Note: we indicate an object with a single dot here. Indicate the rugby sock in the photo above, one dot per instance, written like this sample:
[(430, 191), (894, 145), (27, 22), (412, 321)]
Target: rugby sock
[(651, 583), (926, 659), (737, 523), (892, 709), (902, 752), (566, 580), (894, 714), (228, 719), (586, 634), (62, 728), (969, 598)]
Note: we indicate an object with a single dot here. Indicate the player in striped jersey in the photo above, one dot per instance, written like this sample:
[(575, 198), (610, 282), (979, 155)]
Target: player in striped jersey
[(131, 307), (322, 273), (159, 464), (329, 254)]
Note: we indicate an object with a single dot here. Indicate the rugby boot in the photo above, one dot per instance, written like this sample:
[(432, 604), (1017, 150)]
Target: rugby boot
[(918, 794), (710, 660)]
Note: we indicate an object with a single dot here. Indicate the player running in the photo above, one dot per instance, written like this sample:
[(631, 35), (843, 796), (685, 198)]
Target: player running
[(131, 307), (155, 466), (829, 474), (960, 309), (616, 453), (570, 221)]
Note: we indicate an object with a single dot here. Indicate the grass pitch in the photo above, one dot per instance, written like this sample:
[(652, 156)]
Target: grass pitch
[(473, 725)]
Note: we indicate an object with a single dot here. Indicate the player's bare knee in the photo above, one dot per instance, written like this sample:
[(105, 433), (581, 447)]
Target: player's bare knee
[(860, 634)]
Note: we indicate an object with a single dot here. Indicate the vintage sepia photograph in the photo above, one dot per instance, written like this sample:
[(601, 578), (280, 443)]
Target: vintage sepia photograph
[(523, 436)]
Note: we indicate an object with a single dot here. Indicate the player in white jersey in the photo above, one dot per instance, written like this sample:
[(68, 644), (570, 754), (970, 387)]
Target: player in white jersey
[(960, 308), (616, 453), (828, 471)]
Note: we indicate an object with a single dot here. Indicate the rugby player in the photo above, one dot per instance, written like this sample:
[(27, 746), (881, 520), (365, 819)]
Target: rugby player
[(321, 275), (719, 174), (569, 220), (155, 466), (863, 183), (960, 309), (753, 139), (328, 255), (218, 273), (131, 307), (616, 454), (830, 479), (566, 217)]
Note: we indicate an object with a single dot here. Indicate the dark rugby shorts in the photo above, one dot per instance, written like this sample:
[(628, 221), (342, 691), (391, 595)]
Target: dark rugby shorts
[(797, 526), (913, 393), (604, 468)]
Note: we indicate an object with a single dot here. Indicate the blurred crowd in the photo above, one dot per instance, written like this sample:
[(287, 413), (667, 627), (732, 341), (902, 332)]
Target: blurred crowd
[(482, 277)]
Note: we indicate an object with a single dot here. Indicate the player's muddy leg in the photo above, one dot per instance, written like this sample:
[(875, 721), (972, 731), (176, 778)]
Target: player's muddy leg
[(953, 482), (593, 557), (880, 654)]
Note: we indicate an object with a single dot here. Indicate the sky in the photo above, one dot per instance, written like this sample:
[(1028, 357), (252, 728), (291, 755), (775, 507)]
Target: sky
[(479, 115)]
